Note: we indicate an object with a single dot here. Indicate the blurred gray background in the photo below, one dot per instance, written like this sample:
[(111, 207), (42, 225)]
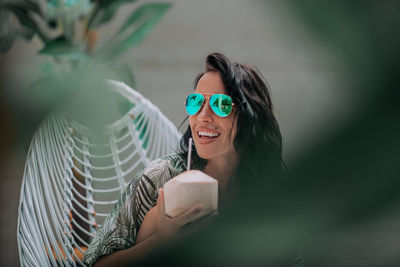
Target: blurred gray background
[(310, 83)]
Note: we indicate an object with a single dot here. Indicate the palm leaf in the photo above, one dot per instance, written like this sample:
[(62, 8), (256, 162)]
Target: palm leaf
[(23, 11), (135, 29), (104, 11)]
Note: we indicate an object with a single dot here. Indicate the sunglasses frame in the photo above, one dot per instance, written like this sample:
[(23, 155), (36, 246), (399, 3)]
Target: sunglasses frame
[(209, 96)]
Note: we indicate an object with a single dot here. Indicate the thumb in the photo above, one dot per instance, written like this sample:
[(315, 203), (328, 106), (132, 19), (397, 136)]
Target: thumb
[(160, 201)]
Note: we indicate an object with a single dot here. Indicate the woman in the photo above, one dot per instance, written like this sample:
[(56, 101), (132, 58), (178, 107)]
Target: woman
[(231, 121)]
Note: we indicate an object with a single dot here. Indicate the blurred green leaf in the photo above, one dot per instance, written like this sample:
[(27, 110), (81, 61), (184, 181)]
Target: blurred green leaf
[(135, 28), (29, 5), (6, 42), (124, 74), (23, 11), (47, 67), (111, 71), (46, 92), (105, 11), (24, 33), (67, 10), (147, 12), (107, 3), (22, 6), (60, 47), (24, 18), (6, 36)]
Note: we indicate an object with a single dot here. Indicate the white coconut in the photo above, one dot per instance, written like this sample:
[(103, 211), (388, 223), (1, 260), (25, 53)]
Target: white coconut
[(189, 188)]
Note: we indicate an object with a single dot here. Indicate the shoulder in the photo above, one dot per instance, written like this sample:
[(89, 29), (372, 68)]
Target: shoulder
[(154, 176), (163, 169)]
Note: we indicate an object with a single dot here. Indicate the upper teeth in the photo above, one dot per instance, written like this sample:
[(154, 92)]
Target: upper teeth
[(208, 134)]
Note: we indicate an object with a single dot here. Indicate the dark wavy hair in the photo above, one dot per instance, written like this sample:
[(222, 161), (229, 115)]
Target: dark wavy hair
[(258, 139)]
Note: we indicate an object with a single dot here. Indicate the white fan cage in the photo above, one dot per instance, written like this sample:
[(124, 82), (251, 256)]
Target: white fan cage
[(73, 176)]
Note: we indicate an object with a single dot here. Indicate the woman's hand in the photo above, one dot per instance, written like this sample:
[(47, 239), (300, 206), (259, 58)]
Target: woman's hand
[(156, 229), (167, 227)]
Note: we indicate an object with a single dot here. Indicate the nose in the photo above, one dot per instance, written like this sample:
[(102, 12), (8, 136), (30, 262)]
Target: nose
[(205, 113)]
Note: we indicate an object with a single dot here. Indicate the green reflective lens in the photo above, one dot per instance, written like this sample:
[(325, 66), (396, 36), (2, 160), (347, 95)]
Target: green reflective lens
[(221, 104), (194, 103)]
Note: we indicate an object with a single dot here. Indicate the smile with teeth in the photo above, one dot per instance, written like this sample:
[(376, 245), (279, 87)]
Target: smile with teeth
[(203, 134)]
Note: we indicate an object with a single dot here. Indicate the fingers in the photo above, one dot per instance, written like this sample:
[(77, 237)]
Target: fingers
[(200, 223), (213, 215), (182, 219), (190, 214), (209, 218), (206, 219), (160, 201)]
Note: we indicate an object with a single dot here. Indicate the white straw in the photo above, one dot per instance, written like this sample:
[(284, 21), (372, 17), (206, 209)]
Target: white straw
[(189, 153)]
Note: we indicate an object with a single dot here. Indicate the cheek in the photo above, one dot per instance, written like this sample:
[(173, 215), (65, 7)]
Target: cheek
[(191, 123), (233, 129), (233, 134)]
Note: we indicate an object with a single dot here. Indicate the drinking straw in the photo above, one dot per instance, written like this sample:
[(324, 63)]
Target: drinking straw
[(189, 153)]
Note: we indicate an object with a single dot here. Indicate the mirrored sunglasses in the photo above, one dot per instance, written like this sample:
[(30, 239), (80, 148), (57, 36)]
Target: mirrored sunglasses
[(220, 104)]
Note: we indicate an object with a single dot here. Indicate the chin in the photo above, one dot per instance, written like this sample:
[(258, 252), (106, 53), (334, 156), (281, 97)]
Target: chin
[(204, 154)]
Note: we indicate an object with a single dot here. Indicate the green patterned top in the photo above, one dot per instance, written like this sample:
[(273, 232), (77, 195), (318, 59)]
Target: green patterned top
[(120, 228)]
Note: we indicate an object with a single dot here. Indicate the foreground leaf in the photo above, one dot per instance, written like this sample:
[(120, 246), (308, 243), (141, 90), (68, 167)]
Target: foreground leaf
[(23, 11), (104, 11), (137, 26), (60, 47)]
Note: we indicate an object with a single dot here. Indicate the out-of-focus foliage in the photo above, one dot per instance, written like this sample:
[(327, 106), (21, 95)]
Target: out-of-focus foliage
[(23, 12), (67, 32), (69, 29), (134, 30)]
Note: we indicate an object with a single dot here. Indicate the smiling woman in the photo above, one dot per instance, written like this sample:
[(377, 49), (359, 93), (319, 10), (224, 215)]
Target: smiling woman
[(213, 135), (248, 135), (236, 136)]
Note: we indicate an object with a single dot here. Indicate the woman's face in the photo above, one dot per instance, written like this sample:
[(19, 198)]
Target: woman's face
[(206, 122)]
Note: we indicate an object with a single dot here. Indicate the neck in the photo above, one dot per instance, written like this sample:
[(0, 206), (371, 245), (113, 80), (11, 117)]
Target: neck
[(222, 170)]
